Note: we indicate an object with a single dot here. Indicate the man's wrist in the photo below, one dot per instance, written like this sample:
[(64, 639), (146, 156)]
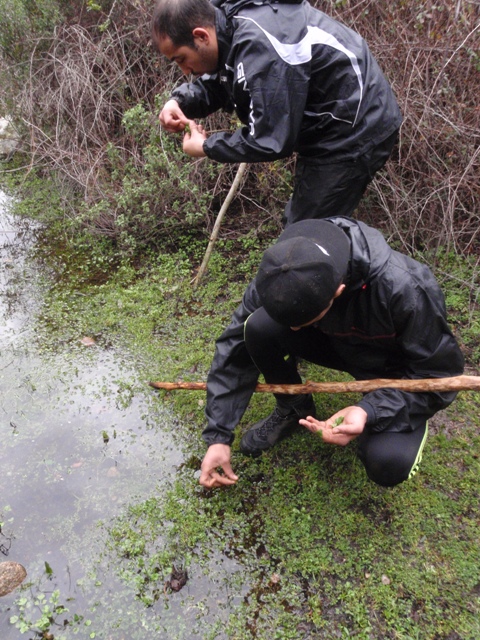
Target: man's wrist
[(218, 444)]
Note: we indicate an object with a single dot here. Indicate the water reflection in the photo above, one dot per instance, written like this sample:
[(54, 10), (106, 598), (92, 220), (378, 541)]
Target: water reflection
[(74, 449), (81, 441)]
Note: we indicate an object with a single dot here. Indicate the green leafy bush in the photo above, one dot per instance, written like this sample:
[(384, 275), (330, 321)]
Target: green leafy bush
[(151, 190), (22, 23)]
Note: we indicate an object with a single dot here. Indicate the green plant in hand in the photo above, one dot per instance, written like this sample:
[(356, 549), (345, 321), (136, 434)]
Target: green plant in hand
[(338, 421)]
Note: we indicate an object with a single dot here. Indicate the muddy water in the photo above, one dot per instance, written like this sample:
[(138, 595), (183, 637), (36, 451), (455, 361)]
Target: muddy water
[(74, 453)]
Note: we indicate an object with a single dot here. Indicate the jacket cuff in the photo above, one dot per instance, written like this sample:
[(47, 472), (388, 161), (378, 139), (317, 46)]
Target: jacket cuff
[(205, 149), (175, 96), (370, 411), (218, 435)]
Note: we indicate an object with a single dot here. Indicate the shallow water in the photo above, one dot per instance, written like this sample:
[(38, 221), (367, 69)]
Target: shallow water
[(75, 452), (78, 448)]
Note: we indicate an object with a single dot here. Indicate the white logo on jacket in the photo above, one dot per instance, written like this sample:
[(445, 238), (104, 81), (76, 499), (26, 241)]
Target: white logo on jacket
[(242, 81)]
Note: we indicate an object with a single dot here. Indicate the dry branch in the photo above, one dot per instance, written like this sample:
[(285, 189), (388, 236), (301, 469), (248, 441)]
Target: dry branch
[(213, 238), (456, 383)]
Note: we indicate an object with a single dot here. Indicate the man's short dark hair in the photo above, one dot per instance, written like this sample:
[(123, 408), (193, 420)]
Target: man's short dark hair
[(176, 19)]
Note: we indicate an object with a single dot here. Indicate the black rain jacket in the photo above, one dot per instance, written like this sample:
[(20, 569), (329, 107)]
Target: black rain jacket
[(297, 79), (390, 322)]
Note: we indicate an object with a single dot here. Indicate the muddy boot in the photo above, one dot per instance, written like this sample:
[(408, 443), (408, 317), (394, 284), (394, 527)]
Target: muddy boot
[(280, 423)]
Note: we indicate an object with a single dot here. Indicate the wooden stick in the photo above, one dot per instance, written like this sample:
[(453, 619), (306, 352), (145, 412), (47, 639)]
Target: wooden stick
[(456, 383), (216, 228)]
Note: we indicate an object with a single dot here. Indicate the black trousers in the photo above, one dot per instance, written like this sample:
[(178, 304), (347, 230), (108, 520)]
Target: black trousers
[(334, 189), (389, 457)]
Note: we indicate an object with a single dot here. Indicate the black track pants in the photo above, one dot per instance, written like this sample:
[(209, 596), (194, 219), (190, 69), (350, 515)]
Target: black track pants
[(334, 189), (388, 457)]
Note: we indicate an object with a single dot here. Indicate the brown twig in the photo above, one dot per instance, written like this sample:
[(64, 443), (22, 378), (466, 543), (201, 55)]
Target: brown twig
[(456, 383), (213, 238)]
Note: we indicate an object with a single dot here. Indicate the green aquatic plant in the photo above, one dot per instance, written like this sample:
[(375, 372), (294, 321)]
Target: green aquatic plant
[(44, 615)]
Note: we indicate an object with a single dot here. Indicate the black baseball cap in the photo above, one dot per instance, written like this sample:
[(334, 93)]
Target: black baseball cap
[(300, 274)]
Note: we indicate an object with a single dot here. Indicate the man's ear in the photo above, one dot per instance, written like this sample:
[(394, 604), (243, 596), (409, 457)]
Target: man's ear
[(202, 34), (339, 291)]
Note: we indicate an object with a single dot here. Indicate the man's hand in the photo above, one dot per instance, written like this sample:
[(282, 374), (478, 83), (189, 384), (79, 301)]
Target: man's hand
[(172, 117), (218, 455), (334, 432), (193, 140)]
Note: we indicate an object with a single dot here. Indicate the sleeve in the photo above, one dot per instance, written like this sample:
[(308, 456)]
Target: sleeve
[(429, 351), (270, 94), (233, 376), (202, 97)]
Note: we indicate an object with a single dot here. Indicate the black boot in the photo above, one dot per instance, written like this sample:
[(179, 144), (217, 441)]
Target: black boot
[(280, 423)]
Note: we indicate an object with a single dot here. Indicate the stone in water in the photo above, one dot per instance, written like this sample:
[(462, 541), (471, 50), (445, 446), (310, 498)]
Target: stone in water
[(12, 574)]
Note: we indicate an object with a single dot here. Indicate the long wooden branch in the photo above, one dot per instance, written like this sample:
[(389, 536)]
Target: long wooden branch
[(456, 383), (216, 228)]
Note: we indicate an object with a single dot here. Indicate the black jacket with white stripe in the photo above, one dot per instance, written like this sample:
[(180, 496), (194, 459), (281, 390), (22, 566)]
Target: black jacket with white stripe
[(298, 80)]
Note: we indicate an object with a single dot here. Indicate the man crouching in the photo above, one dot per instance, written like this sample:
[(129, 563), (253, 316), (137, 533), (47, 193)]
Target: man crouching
[(332, 292)]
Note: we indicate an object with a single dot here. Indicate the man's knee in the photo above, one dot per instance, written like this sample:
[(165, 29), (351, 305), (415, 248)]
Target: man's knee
[(391, 458), (388, 471), (259, 327)]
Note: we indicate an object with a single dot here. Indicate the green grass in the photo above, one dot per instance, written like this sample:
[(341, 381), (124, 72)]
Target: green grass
[(324, 553), (319, 551)]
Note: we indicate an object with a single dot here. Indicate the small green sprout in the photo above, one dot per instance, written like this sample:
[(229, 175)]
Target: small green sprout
[(337, 421), (187, 129)]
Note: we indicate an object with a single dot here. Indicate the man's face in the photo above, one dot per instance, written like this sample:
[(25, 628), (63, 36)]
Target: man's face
[(319, 317), (338, 292), (197, 60)]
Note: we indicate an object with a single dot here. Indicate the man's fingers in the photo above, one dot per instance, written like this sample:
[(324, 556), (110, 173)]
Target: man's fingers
[(228, 471), (173, 122), (312, 424), (212, 478), (215, 479), (195, 127), (224, 480)]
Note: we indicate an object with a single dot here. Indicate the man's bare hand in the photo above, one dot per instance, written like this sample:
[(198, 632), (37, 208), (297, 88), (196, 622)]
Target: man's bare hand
[(172, 117), (336, 431), (193, 140), (217, 456)]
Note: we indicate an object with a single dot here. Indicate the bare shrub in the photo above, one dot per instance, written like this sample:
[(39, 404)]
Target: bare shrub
[(428, 196), (98, 67), (77, 92)]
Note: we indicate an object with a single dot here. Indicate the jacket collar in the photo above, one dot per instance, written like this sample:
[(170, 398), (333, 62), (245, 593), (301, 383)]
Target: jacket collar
[(231, 7), (224, 33)]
